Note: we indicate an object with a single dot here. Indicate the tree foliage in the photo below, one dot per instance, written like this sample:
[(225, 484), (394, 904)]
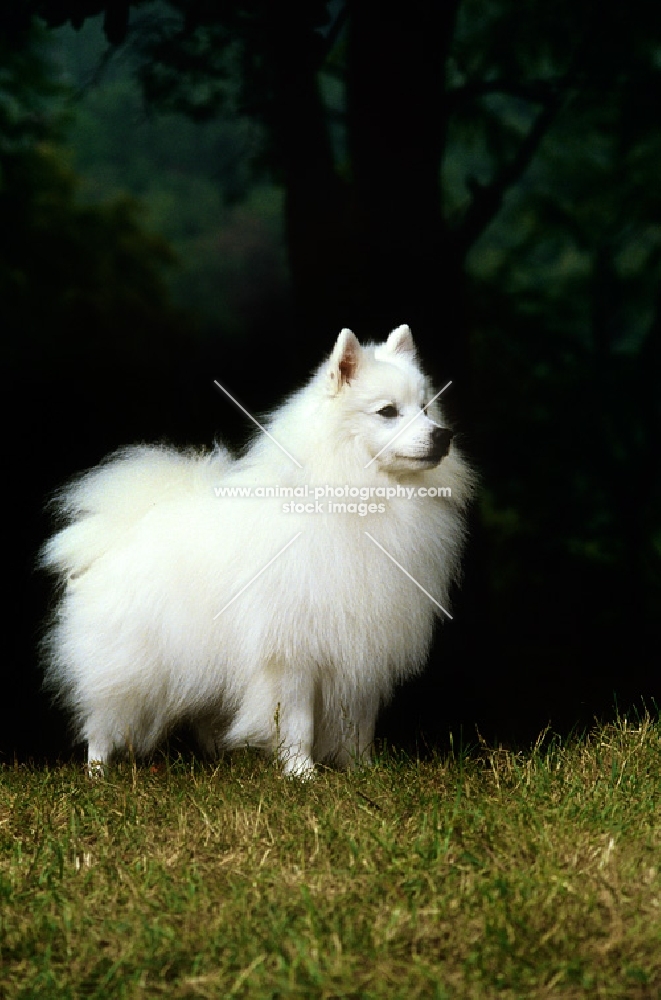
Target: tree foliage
[(566, 273), (71, 275)]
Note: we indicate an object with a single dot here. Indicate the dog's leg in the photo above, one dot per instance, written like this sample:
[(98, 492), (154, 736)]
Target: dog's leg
[(98, 753), (294, 730), (102, 733), (277, 712), (206, 734), (357, 737)]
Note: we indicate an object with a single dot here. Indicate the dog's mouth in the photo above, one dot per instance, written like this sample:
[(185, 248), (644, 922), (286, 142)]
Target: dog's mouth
[(428, 461), (431, 459)]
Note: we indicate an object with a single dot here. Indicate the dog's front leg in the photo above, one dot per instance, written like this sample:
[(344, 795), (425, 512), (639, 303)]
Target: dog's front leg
[(294, 729)]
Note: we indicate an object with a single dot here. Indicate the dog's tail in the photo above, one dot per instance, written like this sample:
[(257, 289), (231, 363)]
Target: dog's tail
[(101, 505)]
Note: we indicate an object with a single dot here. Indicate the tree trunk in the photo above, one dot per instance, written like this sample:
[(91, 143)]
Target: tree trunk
[(313, 192), (403, 270)]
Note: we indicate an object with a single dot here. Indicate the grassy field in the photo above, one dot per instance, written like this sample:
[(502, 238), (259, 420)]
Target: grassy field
[(485, 874)]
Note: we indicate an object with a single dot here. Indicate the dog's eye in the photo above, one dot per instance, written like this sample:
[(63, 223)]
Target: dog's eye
[(388, 411)]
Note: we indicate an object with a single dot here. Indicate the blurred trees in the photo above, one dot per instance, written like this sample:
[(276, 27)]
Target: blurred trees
[(566, 310), (472, 86), (444, 112), (71, 275), (199, 186)]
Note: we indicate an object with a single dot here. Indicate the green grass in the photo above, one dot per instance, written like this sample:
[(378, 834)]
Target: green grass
[(489, 874)]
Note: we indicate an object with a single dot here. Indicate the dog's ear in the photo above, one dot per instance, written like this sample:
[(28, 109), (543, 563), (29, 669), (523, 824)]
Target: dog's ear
[(344, 361), (400, 341)]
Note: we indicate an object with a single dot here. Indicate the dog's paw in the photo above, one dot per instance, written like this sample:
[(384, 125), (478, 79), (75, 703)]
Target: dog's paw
[(299, 766), (96, 769)]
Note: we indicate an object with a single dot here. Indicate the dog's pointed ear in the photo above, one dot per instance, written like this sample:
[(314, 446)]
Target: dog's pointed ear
[(400, 341), (344, 361)]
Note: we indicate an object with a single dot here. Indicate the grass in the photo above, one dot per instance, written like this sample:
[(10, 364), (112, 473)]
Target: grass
[(487, 874)]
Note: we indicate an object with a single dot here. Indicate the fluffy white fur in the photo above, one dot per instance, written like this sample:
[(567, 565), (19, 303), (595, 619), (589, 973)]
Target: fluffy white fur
[(301, 660)]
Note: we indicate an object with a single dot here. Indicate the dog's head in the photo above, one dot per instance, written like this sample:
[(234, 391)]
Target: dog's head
[(385, 402)]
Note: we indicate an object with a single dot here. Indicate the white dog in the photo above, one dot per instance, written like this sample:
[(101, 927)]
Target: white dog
[(281, 616)]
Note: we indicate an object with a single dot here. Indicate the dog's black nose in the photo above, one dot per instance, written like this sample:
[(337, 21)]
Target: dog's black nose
[(440, 440)]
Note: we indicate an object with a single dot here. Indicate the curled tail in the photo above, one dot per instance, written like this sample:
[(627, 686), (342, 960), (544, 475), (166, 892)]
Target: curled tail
[(102, 504)]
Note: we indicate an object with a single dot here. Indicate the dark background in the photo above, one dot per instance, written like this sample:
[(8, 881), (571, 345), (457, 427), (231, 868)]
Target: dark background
[(191, 191)]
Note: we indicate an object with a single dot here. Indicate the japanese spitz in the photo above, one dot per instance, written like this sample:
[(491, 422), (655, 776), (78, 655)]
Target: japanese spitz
[(272, 600)]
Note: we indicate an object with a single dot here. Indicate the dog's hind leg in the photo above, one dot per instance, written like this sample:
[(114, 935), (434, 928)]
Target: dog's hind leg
[(350, 740)]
